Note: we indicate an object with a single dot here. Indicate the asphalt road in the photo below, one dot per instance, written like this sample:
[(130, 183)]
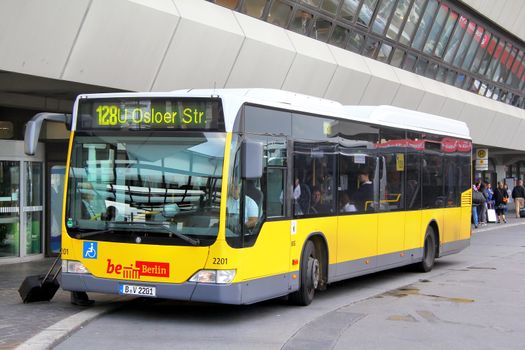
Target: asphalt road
[(471, 300)]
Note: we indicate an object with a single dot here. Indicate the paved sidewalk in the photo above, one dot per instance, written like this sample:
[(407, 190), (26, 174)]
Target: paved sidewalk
[(19, 322), (511, 220)]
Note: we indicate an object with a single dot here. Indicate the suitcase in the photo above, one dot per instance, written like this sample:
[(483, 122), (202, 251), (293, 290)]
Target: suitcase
[(491, 215), (40, 287), (522, 213)]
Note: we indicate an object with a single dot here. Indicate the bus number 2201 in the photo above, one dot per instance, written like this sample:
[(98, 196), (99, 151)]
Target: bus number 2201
[(220, 261)]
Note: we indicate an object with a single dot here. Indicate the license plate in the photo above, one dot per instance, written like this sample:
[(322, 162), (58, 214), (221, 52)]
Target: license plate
[(144, 291)]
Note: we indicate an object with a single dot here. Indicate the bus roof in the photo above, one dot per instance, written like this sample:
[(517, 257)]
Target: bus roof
[(233, 99), (409, 119)]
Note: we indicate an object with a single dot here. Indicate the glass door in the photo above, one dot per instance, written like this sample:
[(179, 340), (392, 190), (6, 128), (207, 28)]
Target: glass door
[(33, 207), (21, 202), (9, 209)]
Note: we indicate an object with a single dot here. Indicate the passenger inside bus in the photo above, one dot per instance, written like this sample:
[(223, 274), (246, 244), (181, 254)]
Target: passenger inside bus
[(319, 206), (110, 214), (365, 192), (346, 205), (302, 197)]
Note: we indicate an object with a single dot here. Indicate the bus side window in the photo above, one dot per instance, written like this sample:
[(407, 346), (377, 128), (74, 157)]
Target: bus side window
[(314, 180), (432, 175), (275, 177), (275, 200), (392, 145), (358, 168)]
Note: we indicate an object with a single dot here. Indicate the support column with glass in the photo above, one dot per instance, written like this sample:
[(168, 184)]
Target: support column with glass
[(9, 209), (33, 209)]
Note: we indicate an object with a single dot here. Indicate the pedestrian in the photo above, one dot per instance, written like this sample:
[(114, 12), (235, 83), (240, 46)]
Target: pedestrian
[(489, 194), (501, 198), (482, 208), (477, 201), (518, 195)]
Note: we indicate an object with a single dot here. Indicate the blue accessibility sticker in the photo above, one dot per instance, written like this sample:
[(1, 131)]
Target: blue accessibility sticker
[(90, 250)]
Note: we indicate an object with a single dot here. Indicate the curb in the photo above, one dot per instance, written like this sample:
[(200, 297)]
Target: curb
[(56, 333), (496, 226)]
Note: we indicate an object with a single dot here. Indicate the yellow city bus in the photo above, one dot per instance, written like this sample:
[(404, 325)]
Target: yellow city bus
[(237, 196)]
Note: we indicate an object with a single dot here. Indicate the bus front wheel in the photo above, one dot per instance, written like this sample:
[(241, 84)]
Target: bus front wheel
[(429, 251), (310, 275)]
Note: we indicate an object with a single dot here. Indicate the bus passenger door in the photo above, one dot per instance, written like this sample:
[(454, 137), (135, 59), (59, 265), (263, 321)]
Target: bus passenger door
[(391, 220), (357, 223)]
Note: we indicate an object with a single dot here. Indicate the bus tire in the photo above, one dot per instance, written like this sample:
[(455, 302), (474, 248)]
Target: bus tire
[(310, 275), (429, 251)]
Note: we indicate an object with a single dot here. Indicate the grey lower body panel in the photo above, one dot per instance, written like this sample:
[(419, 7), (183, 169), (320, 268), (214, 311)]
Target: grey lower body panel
[(355, 268), (453, 247), (237, 293)]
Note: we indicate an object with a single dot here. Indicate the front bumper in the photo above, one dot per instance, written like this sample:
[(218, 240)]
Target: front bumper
[(235, 293)]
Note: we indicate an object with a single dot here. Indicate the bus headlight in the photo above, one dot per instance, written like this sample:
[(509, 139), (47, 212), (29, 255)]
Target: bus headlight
[(213, 276), (72, 266)]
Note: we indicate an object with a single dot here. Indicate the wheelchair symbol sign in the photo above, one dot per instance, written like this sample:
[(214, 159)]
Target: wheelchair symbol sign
[(90, 250)]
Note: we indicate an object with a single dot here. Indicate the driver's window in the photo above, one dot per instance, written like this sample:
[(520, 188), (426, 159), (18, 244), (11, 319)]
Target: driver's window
[(233, 203), (242, 210)]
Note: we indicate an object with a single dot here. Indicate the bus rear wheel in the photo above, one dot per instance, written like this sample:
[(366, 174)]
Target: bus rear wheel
[(429, 251), (310, 275)]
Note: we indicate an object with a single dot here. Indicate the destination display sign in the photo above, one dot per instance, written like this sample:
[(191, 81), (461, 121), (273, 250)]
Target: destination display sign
[(150, 113)]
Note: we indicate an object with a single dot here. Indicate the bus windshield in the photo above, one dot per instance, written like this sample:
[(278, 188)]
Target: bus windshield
[(145, 189)]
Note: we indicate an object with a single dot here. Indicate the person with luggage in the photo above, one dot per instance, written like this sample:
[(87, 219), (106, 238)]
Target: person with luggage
[(483, 208), (518, 195), (478, 202), (489, 194), (501, 198), (491, 211)]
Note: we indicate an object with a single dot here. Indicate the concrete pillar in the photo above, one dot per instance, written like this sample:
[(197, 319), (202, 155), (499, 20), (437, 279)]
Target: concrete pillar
[(500, 170)]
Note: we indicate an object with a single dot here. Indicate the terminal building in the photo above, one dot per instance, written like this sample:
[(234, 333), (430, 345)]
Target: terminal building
[(463, 60)]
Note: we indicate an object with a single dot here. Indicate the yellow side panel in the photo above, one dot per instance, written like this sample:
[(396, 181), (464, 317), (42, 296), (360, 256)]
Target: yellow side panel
[(427, 216), (465, 227), (327, 226), (275, 248), (466, 213), (357, 237), (269, 256), (452, 224), (391, 232), (413, 231)]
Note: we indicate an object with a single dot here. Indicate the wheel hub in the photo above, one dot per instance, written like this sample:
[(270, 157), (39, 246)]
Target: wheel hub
[(315, 272)]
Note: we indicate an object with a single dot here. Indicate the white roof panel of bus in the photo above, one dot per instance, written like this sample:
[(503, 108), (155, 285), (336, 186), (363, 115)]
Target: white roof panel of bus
[(408, 119), (233, 99)]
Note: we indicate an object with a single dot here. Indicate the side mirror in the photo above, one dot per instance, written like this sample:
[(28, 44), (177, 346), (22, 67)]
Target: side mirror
[(69, 121), (31, 135), (251, 159), (34, 126)]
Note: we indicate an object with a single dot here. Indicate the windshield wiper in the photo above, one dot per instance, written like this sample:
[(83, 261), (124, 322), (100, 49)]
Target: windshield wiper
[(182, 236), (167, 229), (92, 233)]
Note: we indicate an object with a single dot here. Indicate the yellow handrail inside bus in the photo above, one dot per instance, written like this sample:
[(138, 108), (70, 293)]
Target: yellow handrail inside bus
[(395, 198)]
